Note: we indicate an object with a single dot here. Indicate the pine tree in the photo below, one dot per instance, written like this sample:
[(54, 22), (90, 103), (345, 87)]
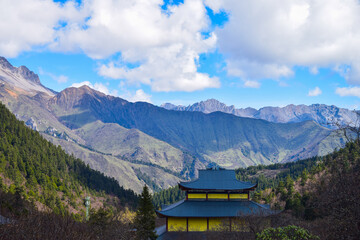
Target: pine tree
[(145, 217), (304, 177)]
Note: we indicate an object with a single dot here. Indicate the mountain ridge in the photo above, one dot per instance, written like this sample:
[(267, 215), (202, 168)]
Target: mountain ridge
[(166, 126), (22, 78), (325, 115)]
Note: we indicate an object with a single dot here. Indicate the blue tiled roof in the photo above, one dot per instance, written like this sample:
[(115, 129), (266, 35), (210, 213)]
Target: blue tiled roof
[(217, 180), (215, 209)]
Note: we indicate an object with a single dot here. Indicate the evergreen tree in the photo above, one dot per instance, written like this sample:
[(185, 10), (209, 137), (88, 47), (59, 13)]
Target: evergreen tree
[(145, 217), (304, 177)]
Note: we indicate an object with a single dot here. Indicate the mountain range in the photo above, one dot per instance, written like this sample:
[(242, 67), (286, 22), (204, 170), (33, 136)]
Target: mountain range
[(140, 143), (325, 115)]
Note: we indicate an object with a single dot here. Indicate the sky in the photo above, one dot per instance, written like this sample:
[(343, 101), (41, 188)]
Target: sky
[(249, 53)]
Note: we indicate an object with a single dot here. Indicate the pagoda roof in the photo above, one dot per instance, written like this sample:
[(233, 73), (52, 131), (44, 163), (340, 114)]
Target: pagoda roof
[(215, 209), (219, 179)]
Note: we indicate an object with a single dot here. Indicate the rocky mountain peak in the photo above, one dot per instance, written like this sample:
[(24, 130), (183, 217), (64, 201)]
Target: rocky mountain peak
[(5, 63), (213, 103), (22, 78), (22, 70), (73, 96), (81, 91), (27, 74), (86, 88), (168, 106), (323, 114)]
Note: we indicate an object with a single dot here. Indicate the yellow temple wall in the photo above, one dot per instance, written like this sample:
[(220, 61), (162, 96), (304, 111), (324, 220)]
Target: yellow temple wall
[(196, 195), (232, 196), (197, 224), (238, 196), (176, 224), (217, 196), (218, 224), (200, 224)]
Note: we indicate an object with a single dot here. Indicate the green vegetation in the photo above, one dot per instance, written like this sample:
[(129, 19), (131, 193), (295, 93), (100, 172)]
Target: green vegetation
[(168, 196), (285, 233), (145, 217), (327, 194), (148, 181), (40, 172), (277, 176)]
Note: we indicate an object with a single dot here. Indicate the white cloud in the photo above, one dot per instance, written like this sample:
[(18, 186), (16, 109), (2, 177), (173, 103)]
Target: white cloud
[(62, 79), (267, 38), (59, 79), (138, 96), (251, 84), (165, 46), (314, 70), (264, 39), (26, 24), (315, 92), (348, 91), (97, 86)]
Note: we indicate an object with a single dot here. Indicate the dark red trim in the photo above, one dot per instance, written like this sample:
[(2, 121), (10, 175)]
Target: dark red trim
[(206, 196), (186, 195), (207, 224), (187, 224), (167, 226), (228, 196)]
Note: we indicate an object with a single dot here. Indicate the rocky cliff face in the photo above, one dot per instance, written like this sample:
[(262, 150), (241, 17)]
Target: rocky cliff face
[(28, 75), (22, 71), (323, 114), (21, 78)]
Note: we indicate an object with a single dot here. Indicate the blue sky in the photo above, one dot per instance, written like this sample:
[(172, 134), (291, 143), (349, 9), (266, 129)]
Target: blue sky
[(244, 53)]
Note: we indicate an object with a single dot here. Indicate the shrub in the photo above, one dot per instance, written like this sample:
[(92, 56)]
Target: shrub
[(290, 232)]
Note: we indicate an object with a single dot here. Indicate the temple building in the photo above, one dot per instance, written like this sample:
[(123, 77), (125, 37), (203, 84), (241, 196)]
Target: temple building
[(214, 201)]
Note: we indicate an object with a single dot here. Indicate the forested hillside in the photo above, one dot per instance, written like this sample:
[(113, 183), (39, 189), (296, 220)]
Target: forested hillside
[(44, 174), (328, 196), (321, 193)]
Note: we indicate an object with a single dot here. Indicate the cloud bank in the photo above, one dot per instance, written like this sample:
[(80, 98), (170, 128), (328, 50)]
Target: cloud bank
[(267, 38), (141, 43)]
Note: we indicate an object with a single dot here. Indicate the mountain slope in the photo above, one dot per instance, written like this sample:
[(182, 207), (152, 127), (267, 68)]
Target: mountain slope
[(31, 106), (323, 114), (125, 172), (133, 145), (38, 170), (217, 137)]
